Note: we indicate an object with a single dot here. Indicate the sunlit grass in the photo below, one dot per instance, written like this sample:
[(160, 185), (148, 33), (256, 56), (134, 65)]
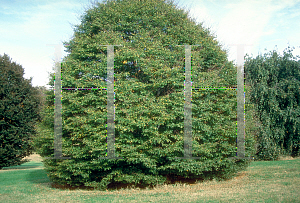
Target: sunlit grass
[(263, 181)]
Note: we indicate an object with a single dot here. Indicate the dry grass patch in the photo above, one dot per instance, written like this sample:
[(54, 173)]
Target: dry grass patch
[(34, 157)]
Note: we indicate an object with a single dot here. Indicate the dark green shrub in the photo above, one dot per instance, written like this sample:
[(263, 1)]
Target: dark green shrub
[(19, 110), (149, 100), (275, 82), (252, 123)]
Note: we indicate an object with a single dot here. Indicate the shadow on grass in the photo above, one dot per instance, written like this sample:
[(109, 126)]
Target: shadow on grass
[(28, 165), (119, 186), (40, 177), (37, 176)]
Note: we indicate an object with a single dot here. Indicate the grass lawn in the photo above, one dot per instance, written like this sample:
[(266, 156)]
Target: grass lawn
[(263, 181)]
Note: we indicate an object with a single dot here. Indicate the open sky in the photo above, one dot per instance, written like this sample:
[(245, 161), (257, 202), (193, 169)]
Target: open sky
[(27, 28)]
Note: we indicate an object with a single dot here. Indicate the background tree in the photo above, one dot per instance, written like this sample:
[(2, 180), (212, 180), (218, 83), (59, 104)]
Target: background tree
[(275, 82), (43, 92), (19, 110), (149, 100), (42, 143), (252, 123)]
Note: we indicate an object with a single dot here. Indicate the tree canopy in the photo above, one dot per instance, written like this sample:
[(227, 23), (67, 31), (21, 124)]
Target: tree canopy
[(19, 112), (149, 76), (275, 82)]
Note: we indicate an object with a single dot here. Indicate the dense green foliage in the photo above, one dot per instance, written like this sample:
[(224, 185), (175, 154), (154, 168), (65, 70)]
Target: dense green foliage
[(19, 110), (275, 82), (149, 100)]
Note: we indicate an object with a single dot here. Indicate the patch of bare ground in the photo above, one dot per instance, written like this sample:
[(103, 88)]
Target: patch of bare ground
[(34, 157), (283, 158)]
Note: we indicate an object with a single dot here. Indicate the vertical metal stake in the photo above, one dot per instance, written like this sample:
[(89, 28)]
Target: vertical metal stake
[(110, 104), (57, 108), (240, 105), (188, 137)]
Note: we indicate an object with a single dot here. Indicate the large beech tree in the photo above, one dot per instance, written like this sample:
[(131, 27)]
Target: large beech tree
[(149, 100)]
